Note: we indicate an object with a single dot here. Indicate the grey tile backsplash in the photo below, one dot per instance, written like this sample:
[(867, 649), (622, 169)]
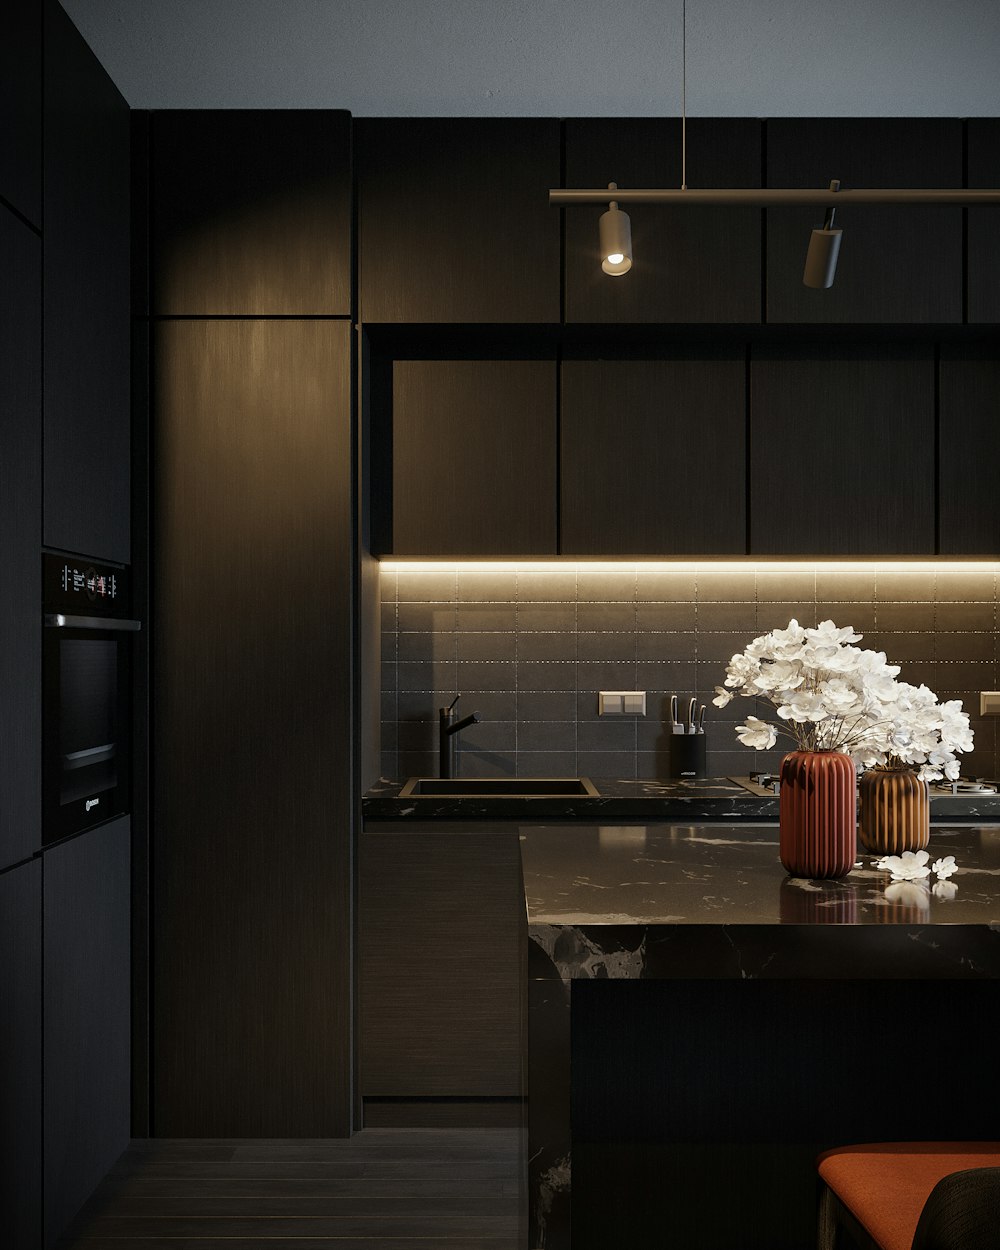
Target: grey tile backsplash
[(529, 648)]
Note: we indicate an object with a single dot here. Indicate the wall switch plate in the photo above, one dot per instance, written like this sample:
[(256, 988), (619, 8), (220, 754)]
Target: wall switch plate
[(989, 703), (621, 703)]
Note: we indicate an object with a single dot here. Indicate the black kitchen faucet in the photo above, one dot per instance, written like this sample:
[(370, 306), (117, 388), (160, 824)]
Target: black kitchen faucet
[(448, 729)]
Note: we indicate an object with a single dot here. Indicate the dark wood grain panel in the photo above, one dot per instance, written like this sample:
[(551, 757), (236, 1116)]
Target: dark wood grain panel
[(653, 456), (897, 265), (21, 108), (20, 525), (439, 972), (20, 1055), (474, 457), (969, 451), (252, 212), (984, 223), (690, 264), (252, 727), (454, 221), (86, 299), (842, 452), (86, 924)]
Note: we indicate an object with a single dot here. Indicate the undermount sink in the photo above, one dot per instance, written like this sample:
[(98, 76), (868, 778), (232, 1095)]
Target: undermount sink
[(493, 788)]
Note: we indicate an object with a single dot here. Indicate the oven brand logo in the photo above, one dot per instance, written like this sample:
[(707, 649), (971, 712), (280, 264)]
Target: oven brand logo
[(92, 803)]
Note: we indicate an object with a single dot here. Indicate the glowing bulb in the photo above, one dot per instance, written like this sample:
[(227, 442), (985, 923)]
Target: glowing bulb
[(616, 258)]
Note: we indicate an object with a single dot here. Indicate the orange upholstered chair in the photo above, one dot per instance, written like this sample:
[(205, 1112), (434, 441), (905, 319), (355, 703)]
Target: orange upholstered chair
[(911, 1196)]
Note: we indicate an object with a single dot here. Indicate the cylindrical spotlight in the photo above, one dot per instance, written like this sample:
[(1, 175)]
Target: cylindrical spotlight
[(824, 248), (616, 239)]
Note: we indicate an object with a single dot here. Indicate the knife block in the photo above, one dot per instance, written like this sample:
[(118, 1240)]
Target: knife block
[(686, 755)]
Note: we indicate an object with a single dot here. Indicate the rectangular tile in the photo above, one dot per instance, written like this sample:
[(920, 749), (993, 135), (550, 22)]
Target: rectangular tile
[(495, 617), (666, 616), (853, 586), (546, 587), (672, 587), (487, 646), (426, 617), (546, 647), (547, 764), (546, 736), (426, 587), (540, 675), (613, 764), (492, 587), (606, 646), (485, 675), (664, 646), (546, 617), (546, 705)]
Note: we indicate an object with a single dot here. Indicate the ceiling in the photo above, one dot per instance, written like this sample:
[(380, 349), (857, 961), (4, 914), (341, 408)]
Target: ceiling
[(504, 58)]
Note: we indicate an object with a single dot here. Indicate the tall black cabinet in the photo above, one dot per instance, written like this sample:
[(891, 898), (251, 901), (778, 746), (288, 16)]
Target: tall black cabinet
[(252, 592)]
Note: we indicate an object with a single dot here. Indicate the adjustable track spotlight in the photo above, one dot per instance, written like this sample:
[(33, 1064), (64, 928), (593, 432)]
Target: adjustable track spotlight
[(824, 248), (616, 239)]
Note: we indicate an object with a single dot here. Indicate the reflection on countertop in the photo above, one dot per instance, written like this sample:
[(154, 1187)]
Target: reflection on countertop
[(686, 874)]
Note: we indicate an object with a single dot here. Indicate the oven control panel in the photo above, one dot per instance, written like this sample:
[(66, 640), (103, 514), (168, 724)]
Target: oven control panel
[(77, 585)]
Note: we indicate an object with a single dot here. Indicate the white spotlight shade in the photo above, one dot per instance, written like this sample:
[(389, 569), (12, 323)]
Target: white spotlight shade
[(821, 258), (616, 241)]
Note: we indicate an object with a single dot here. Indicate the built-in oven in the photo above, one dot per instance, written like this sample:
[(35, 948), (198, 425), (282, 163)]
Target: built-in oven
[(86, 710)]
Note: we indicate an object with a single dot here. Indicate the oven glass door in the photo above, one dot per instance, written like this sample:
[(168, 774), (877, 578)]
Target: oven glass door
[(86, 729)]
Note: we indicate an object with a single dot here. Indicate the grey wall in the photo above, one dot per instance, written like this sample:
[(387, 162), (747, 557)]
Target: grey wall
[(500, 58), (530, 650)]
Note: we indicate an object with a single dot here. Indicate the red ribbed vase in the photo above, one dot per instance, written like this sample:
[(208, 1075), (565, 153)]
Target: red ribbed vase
[(818, 804)]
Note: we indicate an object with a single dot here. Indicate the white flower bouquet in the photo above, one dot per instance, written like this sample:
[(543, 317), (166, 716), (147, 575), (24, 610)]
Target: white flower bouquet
[(833, 696)]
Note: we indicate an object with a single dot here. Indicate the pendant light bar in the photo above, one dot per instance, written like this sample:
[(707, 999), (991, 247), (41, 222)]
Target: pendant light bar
[(764, 197)]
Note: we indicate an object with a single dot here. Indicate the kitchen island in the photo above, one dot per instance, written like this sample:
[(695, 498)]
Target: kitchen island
[(701, 1025)]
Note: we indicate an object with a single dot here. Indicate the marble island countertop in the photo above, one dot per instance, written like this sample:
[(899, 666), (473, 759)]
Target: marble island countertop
[(709, 798), (672, 874)]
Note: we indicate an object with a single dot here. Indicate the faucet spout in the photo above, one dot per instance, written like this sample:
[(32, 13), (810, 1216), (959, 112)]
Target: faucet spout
[(448, 729)]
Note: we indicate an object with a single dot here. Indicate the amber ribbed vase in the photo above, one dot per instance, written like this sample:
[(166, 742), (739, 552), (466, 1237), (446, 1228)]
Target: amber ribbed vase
[(895, 811), (818, 814)]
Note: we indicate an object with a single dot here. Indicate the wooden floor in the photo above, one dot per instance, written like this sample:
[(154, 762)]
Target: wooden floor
[(382, 1189)]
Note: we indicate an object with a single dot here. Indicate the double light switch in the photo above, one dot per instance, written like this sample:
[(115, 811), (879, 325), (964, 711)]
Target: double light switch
[(622, 703)]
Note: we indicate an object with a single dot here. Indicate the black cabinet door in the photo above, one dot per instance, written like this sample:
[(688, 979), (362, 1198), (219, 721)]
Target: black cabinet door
[(252, 739), (474, 457), (20, 1056), (653, 456), (86, 886), (439, 965), (20, 525), (969, 451), (842, 452), (86, 299), (454, 220), (21, 108), (898, 265), (984, 223), (690, 264), (252, 212)]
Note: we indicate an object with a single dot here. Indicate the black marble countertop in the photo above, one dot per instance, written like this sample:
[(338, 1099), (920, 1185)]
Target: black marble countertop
[(709, 798), (674, 874)]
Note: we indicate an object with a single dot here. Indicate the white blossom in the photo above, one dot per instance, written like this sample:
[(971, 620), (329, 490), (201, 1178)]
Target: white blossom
[(946, 867), (910, 866), (756, 733)]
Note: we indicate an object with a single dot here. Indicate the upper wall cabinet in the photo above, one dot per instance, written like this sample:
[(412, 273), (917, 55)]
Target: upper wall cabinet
[(690, 264), (20, 525), (969, 451), (897, 265), (252, 213), (984, 223), (653, 457), (842, 452), (21, 108), (86, 299), (454, 220), (474, 457)]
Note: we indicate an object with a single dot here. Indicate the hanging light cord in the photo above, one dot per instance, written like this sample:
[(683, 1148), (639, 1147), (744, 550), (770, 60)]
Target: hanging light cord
[(684, 85)]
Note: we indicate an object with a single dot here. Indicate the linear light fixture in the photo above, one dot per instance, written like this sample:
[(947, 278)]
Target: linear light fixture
[(824, 244)]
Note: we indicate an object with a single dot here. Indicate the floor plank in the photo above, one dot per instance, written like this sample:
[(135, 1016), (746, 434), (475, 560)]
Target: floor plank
[(382, 1189)]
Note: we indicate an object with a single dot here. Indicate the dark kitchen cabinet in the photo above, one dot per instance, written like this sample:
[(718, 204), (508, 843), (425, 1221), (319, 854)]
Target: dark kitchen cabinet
[(969, 451), (20, 1056), (842, 452), (897, 264), (20, 525), (252, 748), (984, 223), (86, 926), (439, 925), (653, 456), (86, 299), (252, 213), (454, 223), (690, 264), (473, 457), (21, 108)]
